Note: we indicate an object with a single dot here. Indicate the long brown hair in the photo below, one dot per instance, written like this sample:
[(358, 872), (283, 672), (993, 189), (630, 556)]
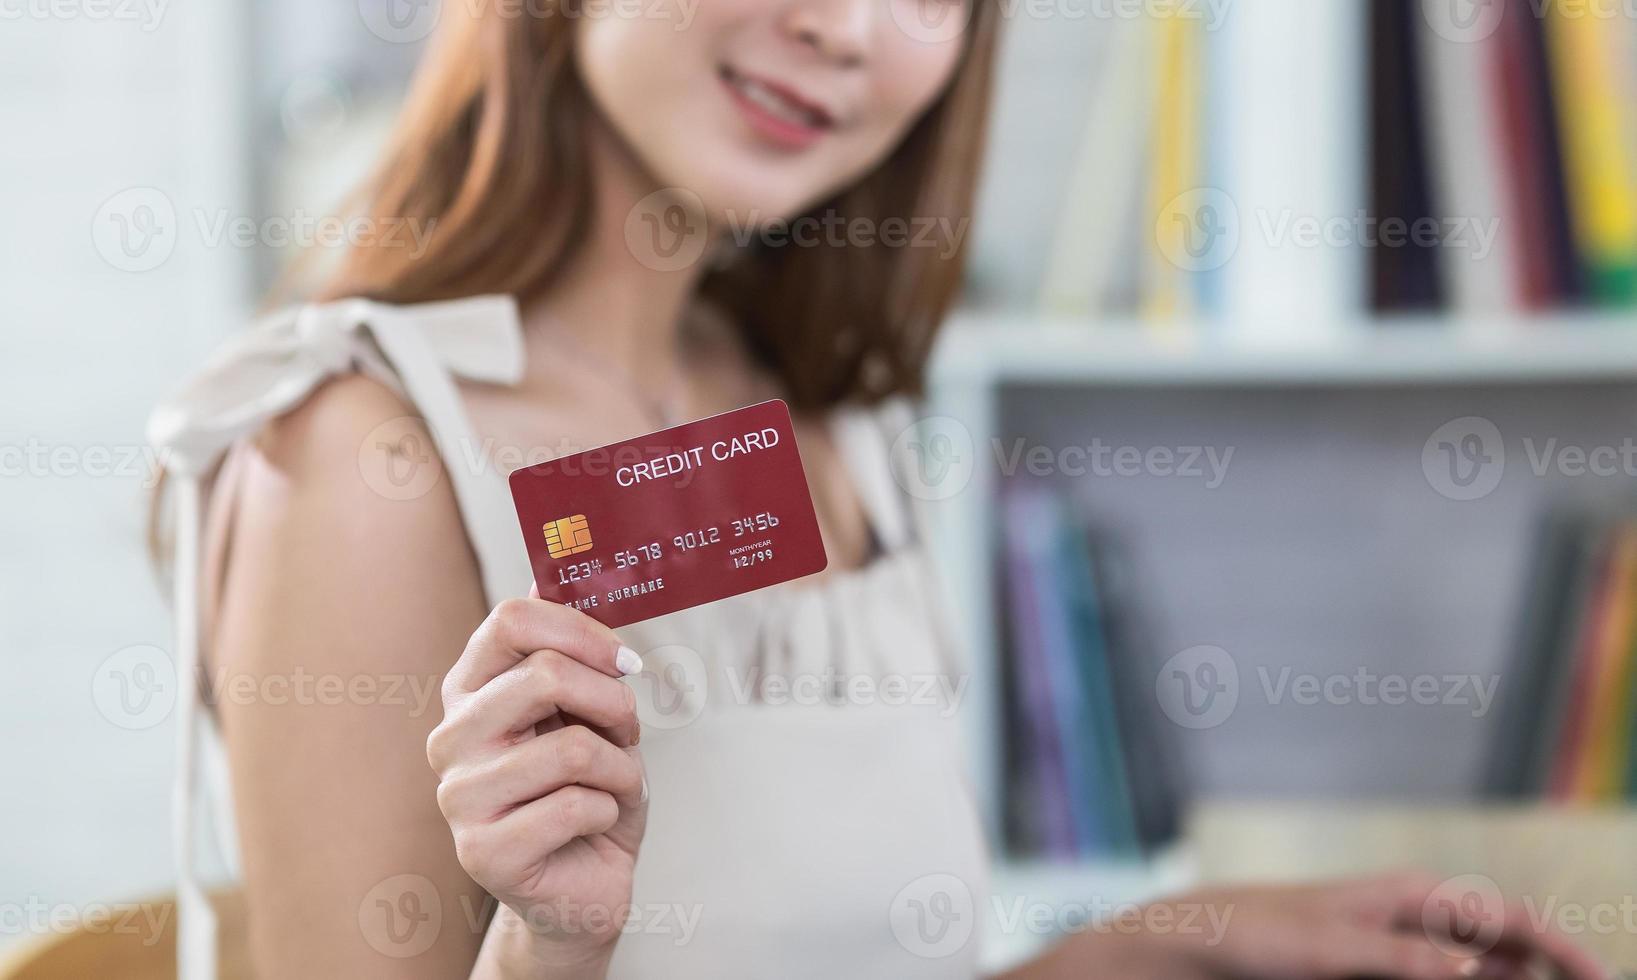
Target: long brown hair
[(492, 155)]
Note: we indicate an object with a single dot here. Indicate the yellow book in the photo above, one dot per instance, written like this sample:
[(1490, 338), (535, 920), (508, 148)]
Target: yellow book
[(1597, 149), (1177, 165)]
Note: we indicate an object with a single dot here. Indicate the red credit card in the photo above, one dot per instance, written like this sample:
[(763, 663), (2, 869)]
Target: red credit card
[(672, 519)]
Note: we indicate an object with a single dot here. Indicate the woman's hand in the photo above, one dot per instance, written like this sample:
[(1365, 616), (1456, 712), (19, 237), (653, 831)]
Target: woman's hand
[(541, 781), (1376, 927)]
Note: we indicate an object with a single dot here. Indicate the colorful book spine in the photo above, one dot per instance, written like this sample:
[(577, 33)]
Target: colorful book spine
[(1036, 705), (1600, 174)]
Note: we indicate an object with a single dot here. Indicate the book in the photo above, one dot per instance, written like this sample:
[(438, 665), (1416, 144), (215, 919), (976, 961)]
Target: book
[(1598, 165), (1084, 271), (1560, 559), (1405, 272), (1047, 816), (1466, 149)]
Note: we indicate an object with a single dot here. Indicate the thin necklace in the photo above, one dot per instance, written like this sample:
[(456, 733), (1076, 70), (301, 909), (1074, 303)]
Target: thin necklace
[(663, 410)]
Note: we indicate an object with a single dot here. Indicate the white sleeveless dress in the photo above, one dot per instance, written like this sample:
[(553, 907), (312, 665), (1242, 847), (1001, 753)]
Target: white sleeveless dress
[(810, 805)]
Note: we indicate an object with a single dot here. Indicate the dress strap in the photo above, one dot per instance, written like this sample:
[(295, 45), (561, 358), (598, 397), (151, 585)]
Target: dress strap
[(866, 446), (418, 351)]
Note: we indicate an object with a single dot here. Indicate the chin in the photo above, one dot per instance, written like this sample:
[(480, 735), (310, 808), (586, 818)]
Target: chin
[(750, 194)]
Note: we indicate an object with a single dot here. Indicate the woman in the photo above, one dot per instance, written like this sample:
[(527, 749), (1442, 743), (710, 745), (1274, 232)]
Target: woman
[(604, 187)]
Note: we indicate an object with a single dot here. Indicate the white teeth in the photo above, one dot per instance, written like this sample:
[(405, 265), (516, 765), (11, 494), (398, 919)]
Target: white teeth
[(774, 103)]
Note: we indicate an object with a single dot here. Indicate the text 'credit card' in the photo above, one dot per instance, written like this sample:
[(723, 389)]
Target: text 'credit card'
[(673, 519)]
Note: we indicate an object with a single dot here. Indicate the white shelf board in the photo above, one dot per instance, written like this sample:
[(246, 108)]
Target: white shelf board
[(1021, 348)]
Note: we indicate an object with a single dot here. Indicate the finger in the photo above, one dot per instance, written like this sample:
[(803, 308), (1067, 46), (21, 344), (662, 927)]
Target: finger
[(508, 851), (534, 590), (1516, 936), (573, 756), (1392, 956), (542, 827), (519, 627), (1521, 937), (543, 685)]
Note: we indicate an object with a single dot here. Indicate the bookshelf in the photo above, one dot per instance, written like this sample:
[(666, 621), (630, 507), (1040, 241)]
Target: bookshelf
[(987, 349), (989, 364)]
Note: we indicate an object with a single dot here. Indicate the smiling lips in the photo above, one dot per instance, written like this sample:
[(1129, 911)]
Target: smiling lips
[(779, 114)]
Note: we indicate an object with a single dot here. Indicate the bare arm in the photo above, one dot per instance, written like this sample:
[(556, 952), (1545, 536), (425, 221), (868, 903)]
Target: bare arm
[(341, 613)]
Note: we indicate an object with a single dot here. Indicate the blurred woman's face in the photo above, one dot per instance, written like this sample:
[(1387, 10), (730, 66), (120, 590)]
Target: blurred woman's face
[(764, 107)]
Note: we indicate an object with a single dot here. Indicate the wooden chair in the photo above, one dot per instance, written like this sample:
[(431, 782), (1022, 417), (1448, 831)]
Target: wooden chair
[(99, 952)]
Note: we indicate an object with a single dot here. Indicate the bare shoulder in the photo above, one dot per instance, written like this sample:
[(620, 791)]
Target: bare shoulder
[(344, 517), (356, 449)]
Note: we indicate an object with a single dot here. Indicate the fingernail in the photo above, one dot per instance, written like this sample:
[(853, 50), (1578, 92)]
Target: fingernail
[(1469, 966), (644, 798), (627, 662)]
